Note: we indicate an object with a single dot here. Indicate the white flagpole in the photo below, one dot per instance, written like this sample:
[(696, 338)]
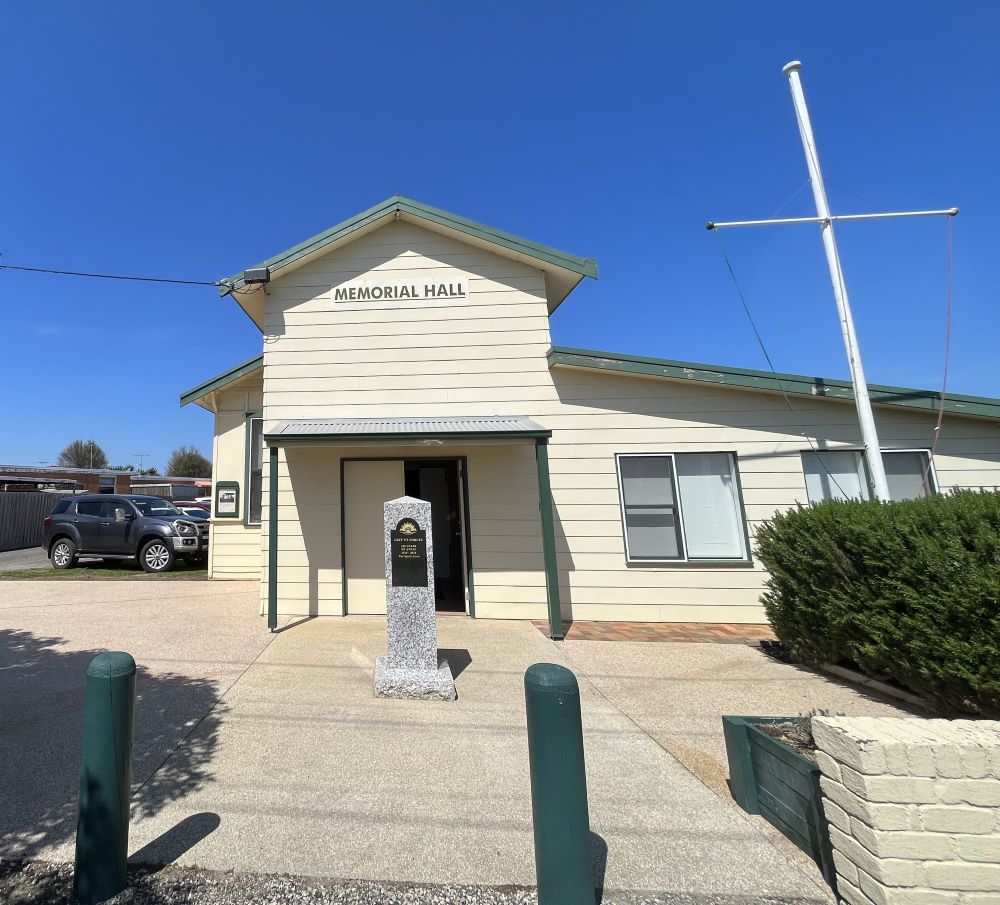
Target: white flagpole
[(869, 435)]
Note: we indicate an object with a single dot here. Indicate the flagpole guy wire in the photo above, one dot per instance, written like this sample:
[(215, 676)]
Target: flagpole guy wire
[(825, 220)]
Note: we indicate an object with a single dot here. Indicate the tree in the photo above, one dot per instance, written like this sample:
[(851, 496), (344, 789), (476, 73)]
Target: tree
[(187, 462), (83, 454)]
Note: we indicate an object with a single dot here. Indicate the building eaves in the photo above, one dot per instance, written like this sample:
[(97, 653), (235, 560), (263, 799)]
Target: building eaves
[(793, 384), (222, 380)]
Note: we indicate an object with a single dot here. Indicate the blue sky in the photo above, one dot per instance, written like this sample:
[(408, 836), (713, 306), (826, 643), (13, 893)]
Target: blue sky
[(192, 140)]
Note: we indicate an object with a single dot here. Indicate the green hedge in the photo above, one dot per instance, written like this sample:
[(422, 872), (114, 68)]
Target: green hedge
[(910, 590)]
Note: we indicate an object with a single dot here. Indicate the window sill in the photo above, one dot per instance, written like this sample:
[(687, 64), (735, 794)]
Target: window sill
[(689, 563)]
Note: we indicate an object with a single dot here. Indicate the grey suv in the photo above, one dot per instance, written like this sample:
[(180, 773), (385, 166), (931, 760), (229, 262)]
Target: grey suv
[(148, 528)]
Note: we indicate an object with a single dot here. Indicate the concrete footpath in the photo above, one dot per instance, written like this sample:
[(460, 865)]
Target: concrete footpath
[(678, 693), (268, 753)]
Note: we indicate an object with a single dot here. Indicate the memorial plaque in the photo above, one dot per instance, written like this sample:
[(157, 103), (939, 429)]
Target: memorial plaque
[(227, 499), (408, 555), (412, 666)]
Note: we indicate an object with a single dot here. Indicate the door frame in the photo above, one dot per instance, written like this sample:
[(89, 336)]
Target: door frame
[(463, 480)]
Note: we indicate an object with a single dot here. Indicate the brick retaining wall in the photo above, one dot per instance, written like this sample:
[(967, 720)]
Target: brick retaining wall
[(913, 807)]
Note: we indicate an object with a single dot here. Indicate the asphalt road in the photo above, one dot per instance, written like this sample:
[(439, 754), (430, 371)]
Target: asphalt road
[(18, 560)]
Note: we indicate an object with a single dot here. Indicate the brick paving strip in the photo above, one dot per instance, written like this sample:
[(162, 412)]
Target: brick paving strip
[(695, 632)]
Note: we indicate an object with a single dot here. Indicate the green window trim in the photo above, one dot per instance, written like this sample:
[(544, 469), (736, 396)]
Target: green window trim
[(248, 495)]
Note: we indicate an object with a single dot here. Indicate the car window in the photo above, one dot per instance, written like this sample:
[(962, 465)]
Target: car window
[(89, 507), (111, 506), (154, 506), (61, 506)]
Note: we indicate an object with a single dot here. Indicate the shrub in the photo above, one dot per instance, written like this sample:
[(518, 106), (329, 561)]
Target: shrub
[(909, 589)]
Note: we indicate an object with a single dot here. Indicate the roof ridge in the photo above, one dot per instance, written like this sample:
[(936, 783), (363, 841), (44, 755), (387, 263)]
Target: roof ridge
[(397, 202)]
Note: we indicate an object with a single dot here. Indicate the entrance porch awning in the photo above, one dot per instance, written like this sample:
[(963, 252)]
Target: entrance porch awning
[(485, 427)]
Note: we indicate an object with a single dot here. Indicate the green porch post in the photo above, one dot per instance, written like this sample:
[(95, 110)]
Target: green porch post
[(548, 539), (272, 540)]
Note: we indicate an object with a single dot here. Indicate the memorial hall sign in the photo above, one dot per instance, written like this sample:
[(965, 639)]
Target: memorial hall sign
[(398, 292)]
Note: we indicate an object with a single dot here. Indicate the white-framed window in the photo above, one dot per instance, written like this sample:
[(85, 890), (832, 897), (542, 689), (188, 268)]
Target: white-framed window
[(841, 474), (681, 507)]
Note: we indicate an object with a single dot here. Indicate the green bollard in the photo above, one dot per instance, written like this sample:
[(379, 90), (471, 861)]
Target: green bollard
[(563, 866), (105, 779)]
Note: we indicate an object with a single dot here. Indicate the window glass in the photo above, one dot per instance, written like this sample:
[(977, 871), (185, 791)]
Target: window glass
[(154, 506), (111, 508), (710, 506), (89, 507), (907, 474), (841, 474), (649, 507), (681, 507), (256, 470), (835, 475), (61, 506)]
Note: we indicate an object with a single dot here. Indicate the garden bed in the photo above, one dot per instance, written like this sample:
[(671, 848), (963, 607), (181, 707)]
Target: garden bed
[(773, 773)]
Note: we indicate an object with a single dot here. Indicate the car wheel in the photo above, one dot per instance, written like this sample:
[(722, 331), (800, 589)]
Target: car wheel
[(63, 554), (157, 555)]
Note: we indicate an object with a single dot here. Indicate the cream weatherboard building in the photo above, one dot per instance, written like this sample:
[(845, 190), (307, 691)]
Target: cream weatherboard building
[(407, 350)]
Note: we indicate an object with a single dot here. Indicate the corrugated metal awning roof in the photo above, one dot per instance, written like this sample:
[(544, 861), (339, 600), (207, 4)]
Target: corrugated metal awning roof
[(485, 427)]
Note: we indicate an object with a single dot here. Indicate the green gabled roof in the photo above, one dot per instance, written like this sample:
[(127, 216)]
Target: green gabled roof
[(222, 380), (397, 203), (740, 378), (793, 384)]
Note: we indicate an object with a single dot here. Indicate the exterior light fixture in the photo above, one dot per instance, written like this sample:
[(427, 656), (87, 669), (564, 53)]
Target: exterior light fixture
[(257, 276)]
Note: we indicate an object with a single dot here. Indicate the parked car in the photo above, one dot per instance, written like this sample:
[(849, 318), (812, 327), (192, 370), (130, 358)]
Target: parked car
[(149, 529), (197, 512)]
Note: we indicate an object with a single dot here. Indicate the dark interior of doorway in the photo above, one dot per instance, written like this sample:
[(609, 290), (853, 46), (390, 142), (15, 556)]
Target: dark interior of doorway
[(436, 481)]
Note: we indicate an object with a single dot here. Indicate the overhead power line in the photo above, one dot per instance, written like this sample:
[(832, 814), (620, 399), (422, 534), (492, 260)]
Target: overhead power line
[(114, 276)]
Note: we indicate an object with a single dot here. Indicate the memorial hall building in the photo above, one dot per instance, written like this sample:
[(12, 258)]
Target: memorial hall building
[(407, 351)]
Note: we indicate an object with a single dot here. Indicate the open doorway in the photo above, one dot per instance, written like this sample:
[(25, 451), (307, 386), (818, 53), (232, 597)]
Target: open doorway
[(437, 482)]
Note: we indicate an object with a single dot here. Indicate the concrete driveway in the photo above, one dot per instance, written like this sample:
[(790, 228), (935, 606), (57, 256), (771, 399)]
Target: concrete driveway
[(191, 640), (268, 752)]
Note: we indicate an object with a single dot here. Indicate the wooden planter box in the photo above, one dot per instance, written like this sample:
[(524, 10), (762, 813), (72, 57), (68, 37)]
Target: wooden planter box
[(775, 781)]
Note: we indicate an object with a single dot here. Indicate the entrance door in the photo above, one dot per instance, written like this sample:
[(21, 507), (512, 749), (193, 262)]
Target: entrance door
[(368, 485), (437, 482)]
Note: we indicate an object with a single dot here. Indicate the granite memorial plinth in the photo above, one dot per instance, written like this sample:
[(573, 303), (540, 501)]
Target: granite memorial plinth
[(411, 667)]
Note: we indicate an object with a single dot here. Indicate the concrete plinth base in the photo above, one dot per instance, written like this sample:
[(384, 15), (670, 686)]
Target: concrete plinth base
[(412, 683)]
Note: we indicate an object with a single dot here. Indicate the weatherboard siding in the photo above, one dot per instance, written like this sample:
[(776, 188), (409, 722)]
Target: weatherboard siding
[(324, 360), (488, 356), (234, 547), (607, 413)]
